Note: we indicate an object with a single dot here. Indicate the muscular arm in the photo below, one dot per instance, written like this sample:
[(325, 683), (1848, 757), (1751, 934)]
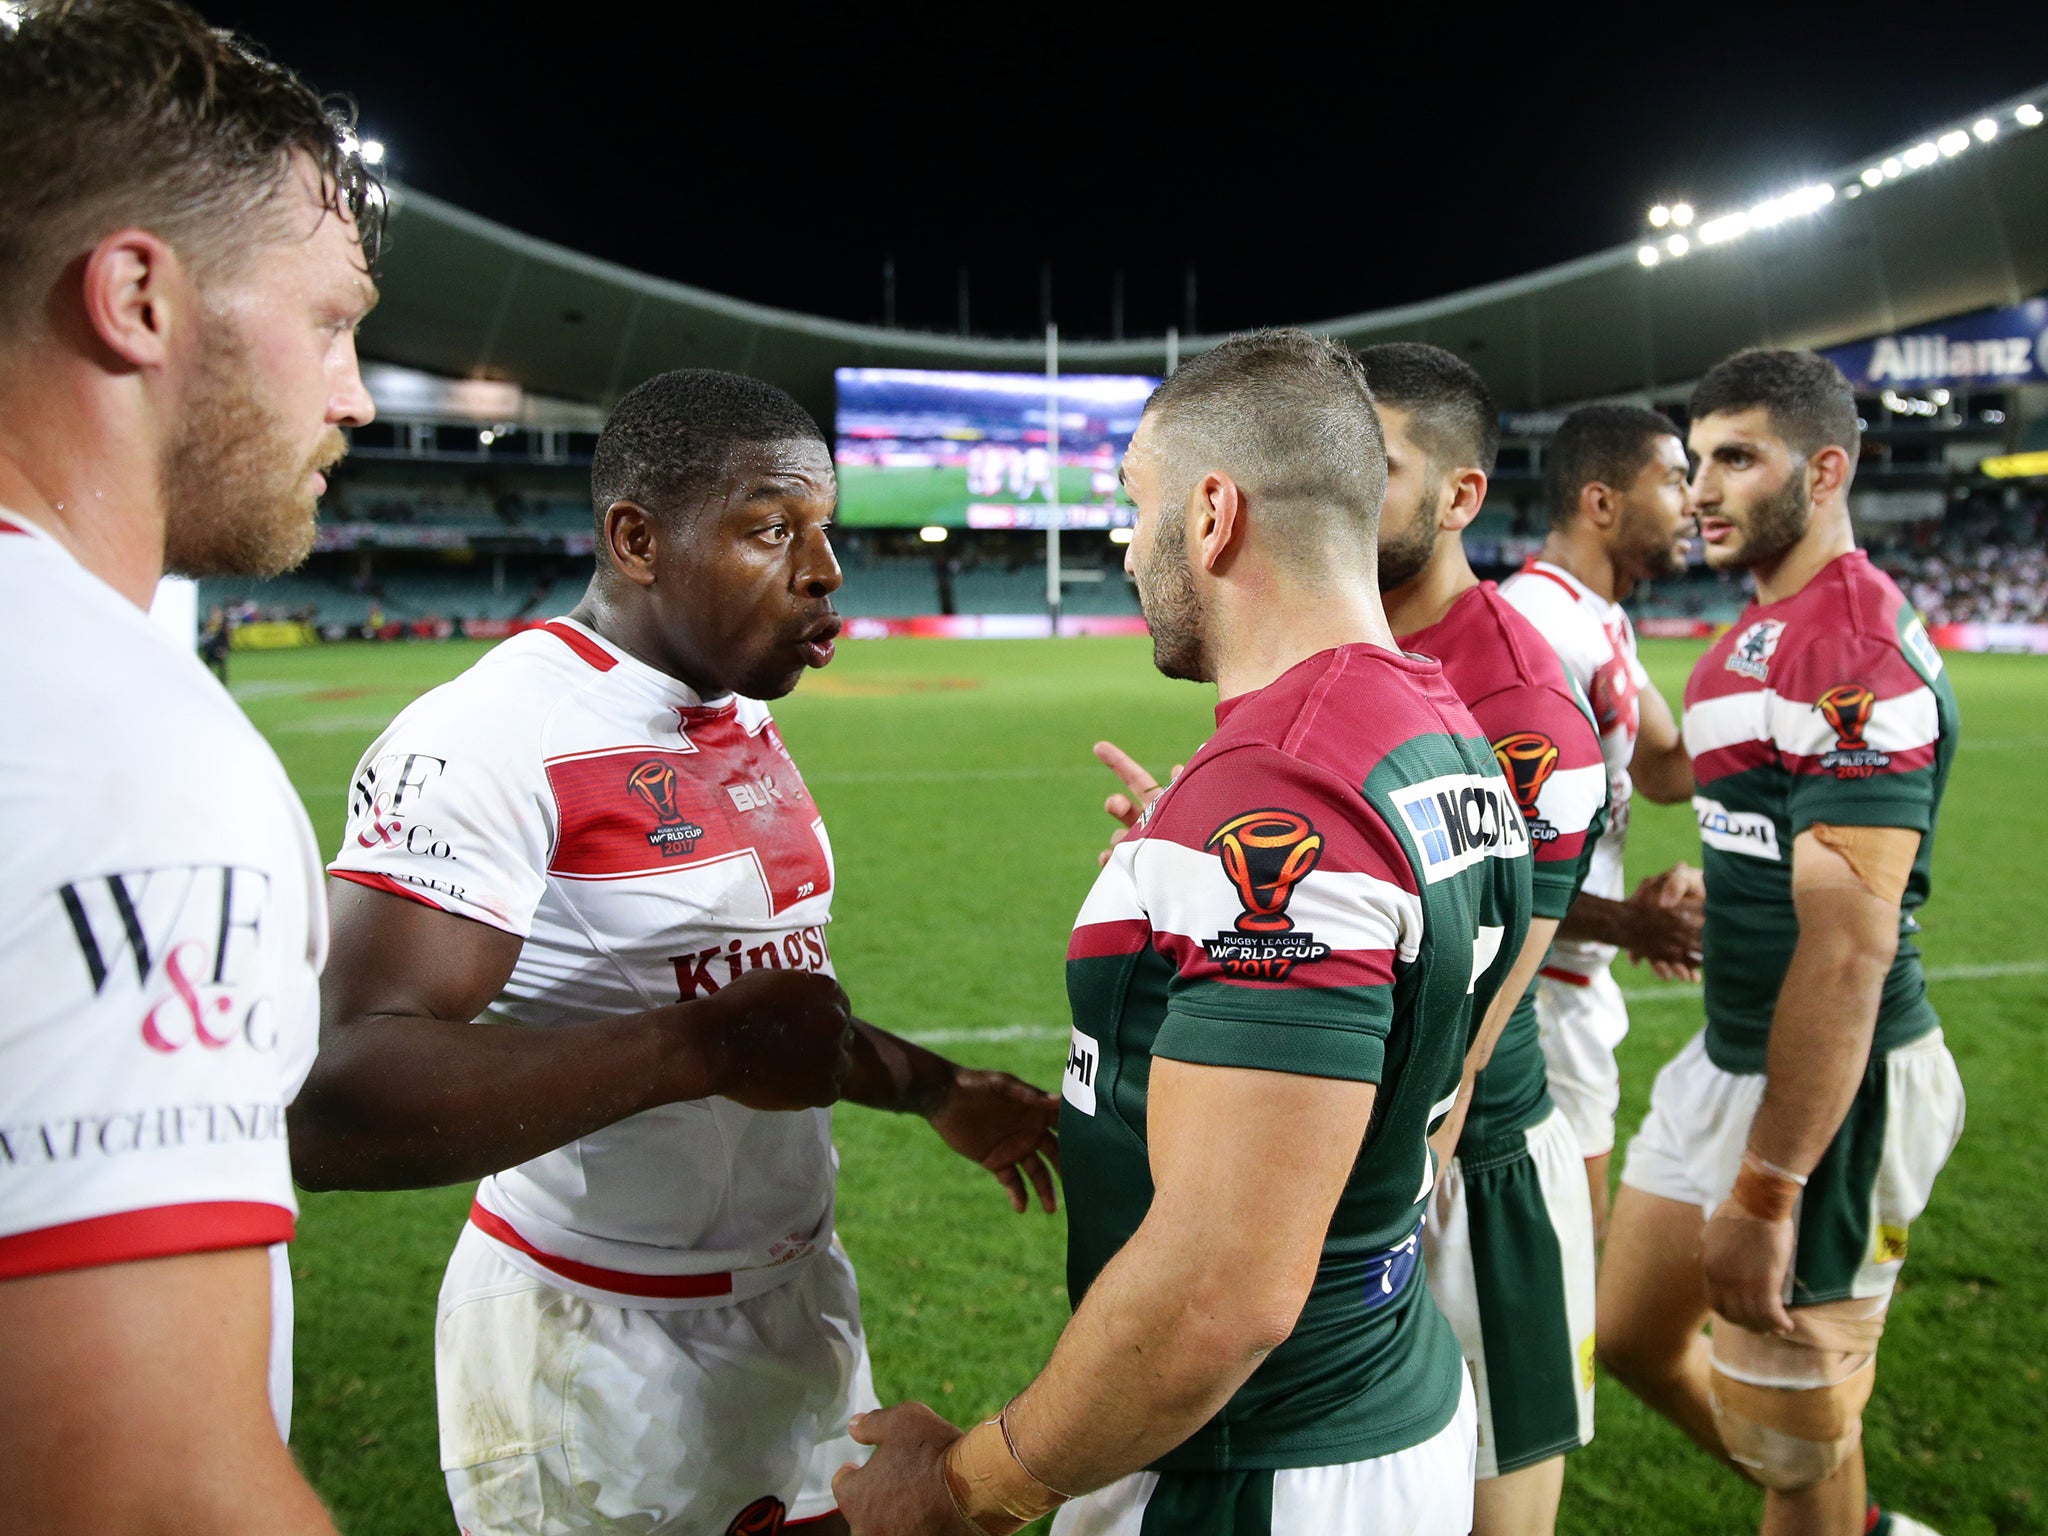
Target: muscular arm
[(1660, 769), (1247, 1169), (1827, 1007), (409, 1090), (135, 1402)]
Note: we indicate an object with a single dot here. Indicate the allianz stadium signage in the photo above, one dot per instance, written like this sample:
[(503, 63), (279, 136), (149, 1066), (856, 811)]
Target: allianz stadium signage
[(1990, 348)]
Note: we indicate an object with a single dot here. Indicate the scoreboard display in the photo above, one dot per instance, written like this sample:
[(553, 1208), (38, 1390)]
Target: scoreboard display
[(975, 450)]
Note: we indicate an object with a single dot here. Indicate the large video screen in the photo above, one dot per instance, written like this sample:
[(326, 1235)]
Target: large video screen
[(919, 446)]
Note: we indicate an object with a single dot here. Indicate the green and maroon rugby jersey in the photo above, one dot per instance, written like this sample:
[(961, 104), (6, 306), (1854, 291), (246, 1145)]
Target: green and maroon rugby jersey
[(1336, 886), (1545, 738), (1830, 706)]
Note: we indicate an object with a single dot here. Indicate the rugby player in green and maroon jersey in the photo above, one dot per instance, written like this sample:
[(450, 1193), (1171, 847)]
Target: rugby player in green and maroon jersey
[(1510, 1234), (1791, 1144), (1273, 983)]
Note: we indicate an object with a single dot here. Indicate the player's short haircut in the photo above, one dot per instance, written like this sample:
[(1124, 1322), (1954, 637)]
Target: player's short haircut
[(1600, 444), (666, 443), (1288, 416), (1810, 404), (1451, 413), (118, 113)]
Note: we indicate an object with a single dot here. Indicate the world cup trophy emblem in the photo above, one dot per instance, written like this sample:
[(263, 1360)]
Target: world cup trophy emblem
[(1266, 854), (654, 784), (1848, 707), (1528, 758), (763, 1517)]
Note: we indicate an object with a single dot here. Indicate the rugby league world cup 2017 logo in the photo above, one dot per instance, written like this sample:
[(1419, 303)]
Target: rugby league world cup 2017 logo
[(764, 1517), (1265, 854), (654, 782), (1848, 708), (1529, 758)]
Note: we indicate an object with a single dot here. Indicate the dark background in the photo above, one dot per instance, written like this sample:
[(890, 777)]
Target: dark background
[(1302, 170)]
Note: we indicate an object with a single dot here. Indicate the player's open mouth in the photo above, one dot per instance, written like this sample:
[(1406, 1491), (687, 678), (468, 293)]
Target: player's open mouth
[(817, 645), (1714, 529)]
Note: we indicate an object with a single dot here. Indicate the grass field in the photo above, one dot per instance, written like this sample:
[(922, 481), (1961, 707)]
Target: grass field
[(963, 806)]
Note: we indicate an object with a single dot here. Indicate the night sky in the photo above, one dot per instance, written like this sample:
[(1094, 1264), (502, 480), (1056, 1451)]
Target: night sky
[(1304, 171)]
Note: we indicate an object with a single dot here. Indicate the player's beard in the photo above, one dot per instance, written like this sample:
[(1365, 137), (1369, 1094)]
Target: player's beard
[(1771, 526), (1171, 605), (237, 501), (1405, 556), (1648, 552)]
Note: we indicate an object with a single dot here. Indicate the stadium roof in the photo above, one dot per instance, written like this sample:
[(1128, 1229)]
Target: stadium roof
[(1965, 226)]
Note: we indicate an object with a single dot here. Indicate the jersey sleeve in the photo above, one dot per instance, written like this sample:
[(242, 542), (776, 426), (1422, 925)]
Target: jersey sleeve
[(450, 807), (160, 1012), (1283, 905), (1858, 730), (1546, 746)]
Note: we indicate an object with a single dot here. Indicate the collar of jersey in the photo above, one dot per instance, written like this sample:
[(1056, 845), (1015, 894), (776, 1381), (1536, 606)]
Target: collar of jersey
[(1552, 568), (16, 523), (673, 690)]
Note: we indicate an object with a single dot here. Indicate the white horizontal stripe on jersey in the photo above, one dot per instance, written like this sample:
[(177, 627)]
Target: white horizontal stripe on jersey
[(1570, 796), (1896, 724), (1189, 894)]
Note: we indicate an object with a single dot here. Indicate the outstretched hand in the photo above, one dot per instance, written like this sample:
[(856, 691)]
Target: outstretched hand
[(1008, 1127), (1138, 779)]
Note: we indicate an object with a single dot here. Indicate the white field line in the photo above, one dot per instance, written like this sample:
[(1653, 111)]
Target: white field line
[(1938, 973)]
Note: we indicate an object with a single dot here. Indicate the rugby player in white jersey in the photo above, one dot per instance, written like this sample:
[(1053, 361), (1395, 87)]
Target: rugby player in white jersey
[(581, 952), (185, 241), (1616, 480)]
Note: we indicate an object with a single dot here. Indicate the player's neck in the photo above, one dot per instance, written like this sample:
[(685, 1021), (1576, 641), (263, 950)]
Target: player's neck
[(105, 508), (625, 626), (1260, 634), (1828, 537), (1424, 601), (1579, 552)]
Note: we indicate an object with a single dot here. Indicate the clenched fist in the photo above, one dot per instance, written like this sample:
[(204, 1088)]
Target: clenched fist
[(774, 1040)]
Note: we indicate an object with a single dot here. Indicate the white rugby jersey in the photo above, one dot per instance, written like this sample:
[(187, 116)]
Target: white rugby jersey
[(1597, 644), (648, 845), (161, 934)]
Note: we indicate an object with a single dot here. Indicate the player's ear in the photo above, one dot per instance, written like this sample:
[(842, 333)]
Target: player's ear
[(134, 289), (632, 537), (1828, 472), (1219, 519), (1468, 494), (1599, 504)]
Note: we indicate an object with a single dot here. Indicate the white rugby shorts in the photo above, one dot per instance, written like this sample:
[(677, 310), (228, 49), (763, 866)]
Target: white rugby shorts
[(1578, 1027), (564, 1415), (1691, 1144), (1425, 1490), (1509, 1242)]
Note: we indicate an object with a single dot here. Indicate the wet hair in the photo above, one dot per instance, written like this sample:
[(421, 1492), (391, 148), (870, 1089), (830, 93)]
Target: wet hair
[(1451, 412), (1288, 416), (1600, 444), (134, 112), (666, 444), (1810, 404)]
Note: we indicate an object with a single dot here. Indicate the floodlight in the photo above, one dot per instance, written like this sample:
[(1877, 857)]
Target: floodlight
[(932, 533), (1986, 128), (1681, 214), (1893, 168), (487, 437), (1727, 227), (1940, 396), (1954, 142), (11, 13), (1853, 190), (1120, 535), (1922, 154), (1678, 245), (373, 151), (1647, 255), (2028, 116), (1873, 176), (1660, 216)]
